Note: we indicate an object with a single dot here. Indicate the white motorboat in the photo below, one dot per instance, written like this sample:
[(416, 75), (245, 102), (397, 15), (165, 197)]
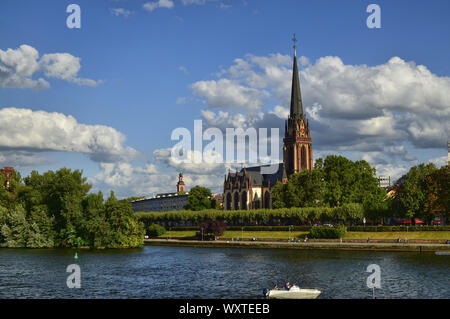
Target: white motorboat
[(293, 293)]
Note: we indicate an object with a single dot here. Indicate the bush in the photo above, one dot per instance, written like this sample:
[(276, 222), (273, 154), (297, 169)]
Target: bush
[(327, 232), (213, 227), (155, 230)]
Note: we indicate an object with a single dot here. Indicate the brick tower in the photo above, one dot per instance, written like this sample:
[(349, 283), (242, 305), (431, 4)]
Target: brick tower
[(297, 149)]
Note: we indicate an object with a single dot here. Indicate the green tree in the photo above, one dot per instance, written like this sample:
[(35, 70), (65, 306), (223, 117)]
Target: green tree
[(199, 198), (125, 229), (412, 191), (155, 230), (437, 202), (8, 196), (15, 228)]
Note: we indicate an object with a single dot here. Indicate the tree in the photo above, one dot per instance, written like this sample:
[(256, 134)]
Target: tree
[(412, 189), (125, 229), (437, 201), (8, 196), (199, 198), (213, 227), (55, 209), (15, 228), (155, 230), (334, 182)]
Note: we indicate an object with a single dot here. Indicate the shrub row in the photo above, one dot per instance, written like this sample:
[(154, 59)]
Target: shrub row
[(282, 216), (247, 228), (327, 232), (155, 230), (307, 228), (397, 228)]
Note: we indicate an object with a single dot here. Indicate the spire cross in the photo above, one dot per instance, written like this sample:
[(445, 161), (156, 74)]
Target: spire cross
[(294, 39)]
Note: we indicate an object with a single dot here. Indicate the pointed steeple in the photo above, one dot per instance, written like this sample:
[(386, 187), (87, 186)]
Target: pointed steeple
[(296, 97)]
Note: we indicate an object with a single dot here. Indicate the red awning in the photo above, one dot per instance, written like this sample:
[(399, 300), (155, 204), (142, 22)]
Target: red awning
[(418, 221)]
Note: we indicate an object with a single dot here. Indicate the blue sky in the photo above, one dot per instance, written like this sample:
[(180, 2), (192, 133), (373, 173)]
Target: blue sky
[(144, 73)]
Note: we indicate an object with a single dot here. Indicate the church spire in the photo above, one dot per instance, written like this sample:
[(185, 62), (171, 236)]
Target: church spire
[(296, 97)]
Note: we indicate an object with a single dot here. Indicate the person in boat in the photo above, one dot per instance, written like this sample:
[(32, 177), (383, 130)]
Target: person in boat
[(287, 286), (276, 287)]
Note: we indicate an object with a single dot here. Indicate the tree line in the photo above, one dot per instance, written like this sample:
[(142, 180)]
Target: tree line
[(422, 193), (55, 209), (337, 190)]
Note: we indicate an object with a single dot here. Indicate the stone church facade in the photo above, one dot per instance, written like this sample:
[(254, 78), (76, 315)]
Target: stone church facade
[(248, 188)]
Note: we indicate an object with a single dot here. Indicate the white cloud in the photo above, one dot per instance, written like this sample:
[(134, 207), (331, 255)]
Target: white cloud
[(189, 2), (64, 66), (120, 12), (151, 6), (18, 66), (439, 161), (40, 131), (22, 159), (381, 113), (213, 165), (226, 93), (127, 179)]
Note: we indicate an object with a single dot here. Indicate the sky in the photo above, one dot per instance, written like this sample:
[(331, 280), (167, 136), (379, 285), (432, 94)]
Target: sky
[(106, 97)]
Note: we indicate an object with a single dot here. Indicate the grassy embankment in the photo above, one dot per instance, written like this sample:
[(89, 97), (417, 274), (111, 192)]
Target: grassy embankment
[(426, 235)]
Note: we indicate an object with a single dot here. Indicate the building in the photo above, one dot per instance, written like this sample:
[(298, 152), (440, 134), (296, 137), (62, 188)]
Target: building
[(448, 153), (163, 202), (181, 187), (7, 172), (249, 189), (384, 181)]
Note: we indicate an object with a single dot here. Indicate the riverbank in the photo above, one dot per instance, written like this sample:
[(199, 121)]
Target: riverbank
[(435, 236), (413, 247)]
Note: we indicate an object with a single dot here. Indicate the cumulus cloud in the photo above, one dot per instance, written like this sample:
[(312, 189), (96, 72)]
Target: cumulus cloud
[(151, 6), (18, 66), (225, 93), (40, 131), (375, 112), (440, 161), (210, 163), (22, 159), (129, 179)]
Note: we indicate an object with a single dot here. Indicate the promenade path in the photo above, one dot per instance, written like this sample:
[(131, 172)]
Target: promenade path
[(415, 247)]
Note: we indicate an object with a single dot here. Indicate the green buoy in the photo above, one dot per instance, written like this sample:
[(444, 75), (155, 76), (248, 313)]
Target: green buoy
[(76, 255)]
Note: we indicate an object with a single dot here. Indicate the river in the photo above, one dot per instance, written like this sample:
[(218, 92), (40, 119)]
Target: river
[(183, 272)]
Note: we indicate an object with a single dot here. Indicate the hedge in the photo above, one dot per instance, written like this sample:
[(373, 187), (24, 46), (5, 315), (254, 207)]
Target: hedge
[(247, 228), (307, 228), (282, 216), (398, 228), (155, 230), (327, 232)]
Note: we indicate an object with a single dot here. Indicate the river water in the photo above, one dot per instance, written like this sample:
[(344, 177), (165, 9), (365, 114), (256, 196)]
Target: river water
[(182, 272)]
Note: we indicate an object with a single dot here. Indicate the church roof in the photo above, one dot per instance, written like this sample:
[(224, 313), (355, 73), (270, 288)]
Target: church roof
[(258, 179)]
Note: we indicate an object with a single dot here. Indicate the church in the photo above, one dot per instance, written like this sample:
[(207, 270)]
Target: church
[(249, 189)]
